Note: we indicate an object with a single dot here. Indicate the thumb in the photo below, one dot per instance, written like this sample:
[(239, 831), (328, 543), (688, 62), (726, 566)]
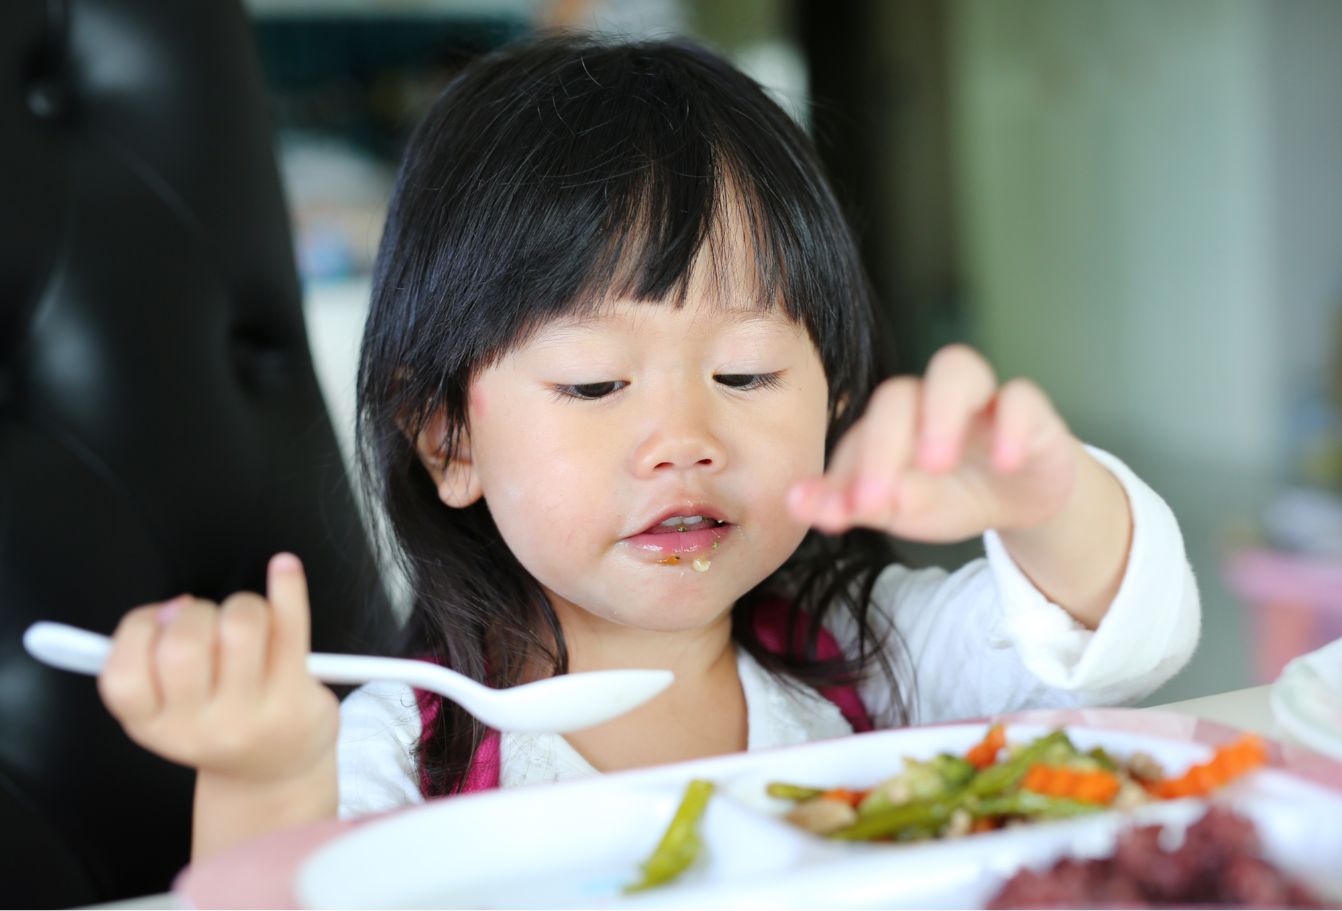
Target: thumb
[(287, 591)]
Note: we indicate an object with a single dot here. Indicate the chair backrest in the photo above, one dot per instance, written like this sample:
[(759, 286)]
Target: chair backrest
[(161, 429)]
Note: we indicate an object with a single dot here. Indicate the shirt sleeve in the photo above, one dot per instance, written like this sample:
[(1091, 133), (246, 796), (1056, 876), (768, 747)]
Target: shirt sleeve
[(983, 639), (379, 727)]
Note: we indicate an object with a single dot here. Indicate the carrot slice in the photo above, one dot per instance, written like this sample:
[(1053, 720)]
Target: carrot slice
[(1059, 781), (852, 798), (1229, 762), (984, 753)]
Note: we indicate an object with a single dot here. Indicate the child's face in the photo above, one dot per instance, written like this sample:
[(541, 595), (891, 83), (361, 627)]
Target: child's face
[(584, 439)]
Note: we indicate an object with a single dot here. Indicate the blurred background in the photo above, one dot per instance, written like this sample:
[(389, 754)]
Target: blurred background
[(1135, 202)]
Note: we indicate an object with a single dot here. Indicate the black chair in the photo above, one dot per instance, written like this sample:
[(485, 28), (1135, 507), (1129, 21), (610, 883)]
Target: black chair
[(161, 429)]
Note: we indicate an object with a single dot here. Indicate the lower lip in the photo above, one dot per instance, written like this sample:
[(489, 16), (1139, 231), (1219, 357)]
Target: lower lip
[(692, 541)]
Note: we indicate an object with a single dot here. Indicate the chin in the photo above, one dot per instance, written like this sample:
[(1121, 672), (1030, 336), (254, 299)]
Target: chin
[(672, 608), (670, 623)]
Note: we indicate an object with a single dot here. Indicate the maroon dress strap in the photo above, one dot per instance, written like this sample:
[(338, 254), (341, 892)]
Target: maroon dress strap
[(771, 619), (483, 774)]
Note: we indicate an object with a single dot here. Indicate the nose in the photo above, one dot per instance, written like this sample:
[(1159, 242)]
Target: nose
[(681, 438)]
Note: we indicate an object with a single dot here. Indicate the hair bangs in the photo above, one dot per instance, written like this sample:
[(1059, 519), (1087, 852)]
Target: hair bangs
[(646, 202)]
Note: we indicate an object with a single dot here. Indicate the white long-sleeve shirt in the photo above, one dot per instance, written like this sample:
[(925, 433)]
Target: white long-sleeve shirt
[(981, 640)]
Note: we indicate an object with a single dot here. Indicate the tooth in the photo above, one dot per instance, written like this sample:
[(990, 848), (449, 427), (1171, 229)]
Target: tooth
[(682, 520)]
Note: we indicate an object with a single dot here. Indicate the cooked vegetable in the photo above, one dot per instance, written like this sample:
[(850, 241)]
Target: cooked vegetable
[(1227, 763), (937, 777), (995, 784), (843, 795), (1061, 781), (1004, 775), (791, 791), (901, 821), (1103, 759), (1035, 806), (984, 753), (680, 844), (822, 815)]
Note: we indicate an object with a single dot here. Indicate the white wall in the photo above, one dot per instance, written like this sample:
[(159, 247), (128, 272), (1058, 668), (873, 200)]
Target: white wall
[(1151, 208), (1305, 121)]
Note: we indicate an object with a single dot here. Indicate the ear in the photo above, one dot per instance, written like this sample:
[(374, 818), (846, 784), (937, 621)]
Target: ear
[(455, 476)]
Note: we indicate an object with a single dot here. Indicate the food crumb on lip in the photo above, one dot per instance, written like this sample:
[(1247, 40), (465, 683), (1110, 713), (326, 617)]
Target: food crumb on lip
[(670, 561)]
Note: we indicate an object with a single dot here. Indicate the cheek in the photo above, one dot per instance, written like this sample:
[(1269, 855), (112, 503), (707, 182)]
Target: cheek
[(812, 419), (477, 403), (541, 490), (799, 437)]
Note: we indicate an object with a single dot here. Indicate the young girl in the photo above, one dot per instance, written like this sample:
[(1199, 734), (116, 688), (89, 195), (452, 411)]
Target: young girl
[(620, 402)]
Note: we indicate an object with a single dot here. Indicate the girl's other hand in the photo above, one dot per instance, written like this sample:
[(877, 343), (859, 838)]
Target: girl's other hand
[(225, 688), (945, 457)]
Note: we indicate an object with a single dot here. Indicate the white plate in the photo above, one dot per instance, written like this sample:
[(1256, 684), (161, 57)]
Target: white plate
[(577, 844)]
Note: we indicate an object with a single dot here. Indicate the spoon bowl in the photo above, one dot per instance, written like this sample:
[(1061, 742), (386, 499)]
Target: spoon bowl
[(558, 704)]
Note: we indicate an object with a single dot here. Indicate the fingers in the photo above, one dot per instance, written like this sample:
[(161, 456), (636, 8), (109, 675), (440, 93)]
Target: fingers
[(182, 653), (1024, 418), (922, 440), (214, 687), (287, 591), (186, 654), (162, 659), (244, 633), (862, 478), (959, 387), (883, 451), (128, 685)]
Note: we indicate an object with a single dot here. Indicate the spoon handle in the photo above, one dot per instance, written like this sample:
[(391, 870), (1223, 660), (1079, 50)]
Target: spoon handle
[(73, 649), (368, 668)]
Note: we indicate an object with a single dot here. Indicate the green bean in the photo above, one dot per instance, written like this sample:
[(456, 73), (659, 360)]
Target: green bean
[(929, 814), (1104, 759), (680, 843), (1035, 806), (1004, 775), (792, 791)]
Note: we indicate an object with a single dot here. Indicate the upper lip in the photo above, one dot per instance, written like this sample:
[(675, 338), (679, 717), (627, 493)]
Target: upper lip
[(692, 509)]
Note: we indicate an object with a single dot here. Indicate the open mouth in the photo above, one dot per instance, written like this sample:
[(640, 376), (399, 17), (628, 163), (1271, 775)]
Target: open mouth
[(692, 537), (679, 525)]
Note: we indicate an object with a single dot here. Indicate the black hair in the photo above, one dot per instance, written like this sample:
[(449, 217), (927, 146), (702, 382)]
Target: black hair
[(548, 177)]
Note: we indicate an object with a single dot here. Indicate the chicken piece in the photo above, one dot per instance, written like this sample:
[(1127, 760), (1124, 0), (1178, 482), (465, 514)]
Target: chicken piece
[(1144, 767), (822, 815)]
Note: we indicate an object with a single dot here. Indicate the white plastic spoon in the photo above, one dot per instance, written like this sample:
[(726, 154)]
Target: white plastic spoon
[(567, 703)]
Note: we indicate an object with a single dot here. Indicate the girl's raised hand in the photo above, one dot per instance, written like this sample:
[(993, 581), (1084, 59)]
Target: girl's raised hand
[(225, 688), (945, 457)]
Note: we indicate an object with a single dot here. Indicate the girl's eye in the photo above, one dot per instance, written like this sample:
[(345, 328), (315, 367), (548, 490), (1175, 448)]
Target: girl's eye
[(590, 391), (747, 381)]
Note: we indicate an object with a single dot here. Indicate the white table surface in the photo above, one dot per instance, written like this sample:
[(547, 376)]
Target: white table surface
[(1246, 708)]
